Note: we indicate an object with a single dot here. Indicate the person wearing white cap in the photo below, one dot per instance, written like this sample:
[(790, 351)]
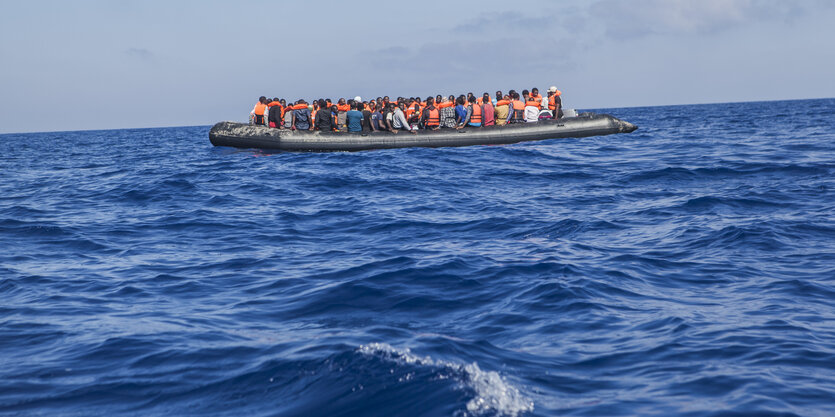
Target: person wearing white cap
[(358, 99), (555, 102)]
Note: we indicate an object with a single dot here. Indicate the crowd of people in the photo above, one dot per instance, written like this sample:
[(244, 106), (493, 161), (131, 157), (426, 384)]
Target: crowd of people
[(409, 114)]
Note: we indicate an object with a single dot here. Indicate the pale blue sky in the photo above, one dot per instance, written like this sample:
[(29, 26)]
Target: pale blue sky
[(84, 64)]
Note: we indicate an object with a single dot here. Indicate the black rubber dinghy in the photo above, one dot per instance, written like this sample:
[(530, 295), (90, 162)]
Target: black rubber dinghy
[(240, 135)]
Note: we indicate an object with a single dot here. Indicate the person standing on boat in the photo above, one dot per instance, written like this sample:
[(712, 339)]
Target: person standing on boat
[(555, 102), (258, 112)]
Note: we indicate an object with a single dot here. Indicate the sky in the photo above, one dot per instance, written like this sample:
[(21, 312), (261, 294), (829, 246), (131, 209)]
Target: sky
[(85, 64)]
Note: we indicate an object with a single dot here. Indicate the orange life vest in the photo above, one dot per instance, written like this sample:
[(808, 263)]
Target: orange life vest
[(446, 104), (343, 107), (518, 110), (434, 118), (502, 103), (533, 103), (552, 102), (476, 116), (260, 108)]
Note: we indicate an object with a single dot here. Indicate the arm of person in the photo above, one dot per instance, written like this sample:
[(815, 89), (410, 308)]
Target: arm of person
[(468, 116), (509, 112)]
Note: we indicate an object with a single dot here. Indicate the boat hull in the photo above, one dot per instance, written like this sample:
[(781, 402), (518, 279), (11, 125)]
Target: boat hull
[(241, 135)]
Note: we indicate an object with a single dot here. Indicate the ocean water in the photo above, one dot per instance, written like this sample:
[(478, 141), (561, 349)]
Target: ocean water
[(686, 269)]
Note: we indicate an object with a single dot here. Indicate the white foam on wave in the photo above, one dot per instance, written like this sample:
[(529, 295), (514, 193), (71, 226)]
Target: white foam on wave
[(492, 391)]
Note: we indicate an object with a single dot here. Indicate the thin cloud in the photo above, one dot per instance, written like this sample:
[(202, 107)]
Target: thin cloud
[(638, 18), (504, 21), (140, 53)]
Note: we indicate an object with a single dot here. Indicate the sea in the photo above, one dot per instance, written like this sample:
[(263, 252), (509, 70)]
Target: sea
[(685, 269)]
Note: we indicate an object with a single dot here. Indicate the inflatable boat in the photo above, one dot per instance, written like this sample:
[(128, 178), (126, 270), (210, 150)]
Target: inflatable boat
[(240, 135)]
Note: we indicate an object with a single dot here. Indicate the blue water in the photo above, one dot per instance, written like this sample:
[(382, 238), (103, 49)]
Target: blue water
[(686, 269)]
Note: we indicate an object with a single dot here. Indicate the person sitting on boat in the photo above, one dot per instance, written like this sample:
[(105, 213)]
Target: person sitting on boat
[(555, 102), (430, 118), (531, 110), (447, 109), (258, 112), (301, 116), (323, 121), (342, 108), (502, 109), (460, 111), (375, 119), (516, 110), (473, 117), (535, 95), (274, 113), (488, 114), (353, 118), (398, 119), (288, 117)]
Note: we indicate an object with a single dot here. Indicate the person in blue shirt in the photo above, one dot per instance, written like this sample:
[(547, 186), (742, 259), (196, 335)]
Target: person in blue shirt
[(354, 118), (460, 111)]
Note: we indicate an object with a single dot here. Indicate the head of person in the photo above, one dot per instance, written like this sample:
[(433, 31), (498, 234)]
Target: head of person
[(515, 95), (351, 103), (341, 102), (486, 98), (262, 100), (334, 109), (534, 91), (552, 89), (451, 98), (430, 101), (283, 102), (439, 98), (460, 101), (525, 93), (499, 95), (471, 99), (321, 103)]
